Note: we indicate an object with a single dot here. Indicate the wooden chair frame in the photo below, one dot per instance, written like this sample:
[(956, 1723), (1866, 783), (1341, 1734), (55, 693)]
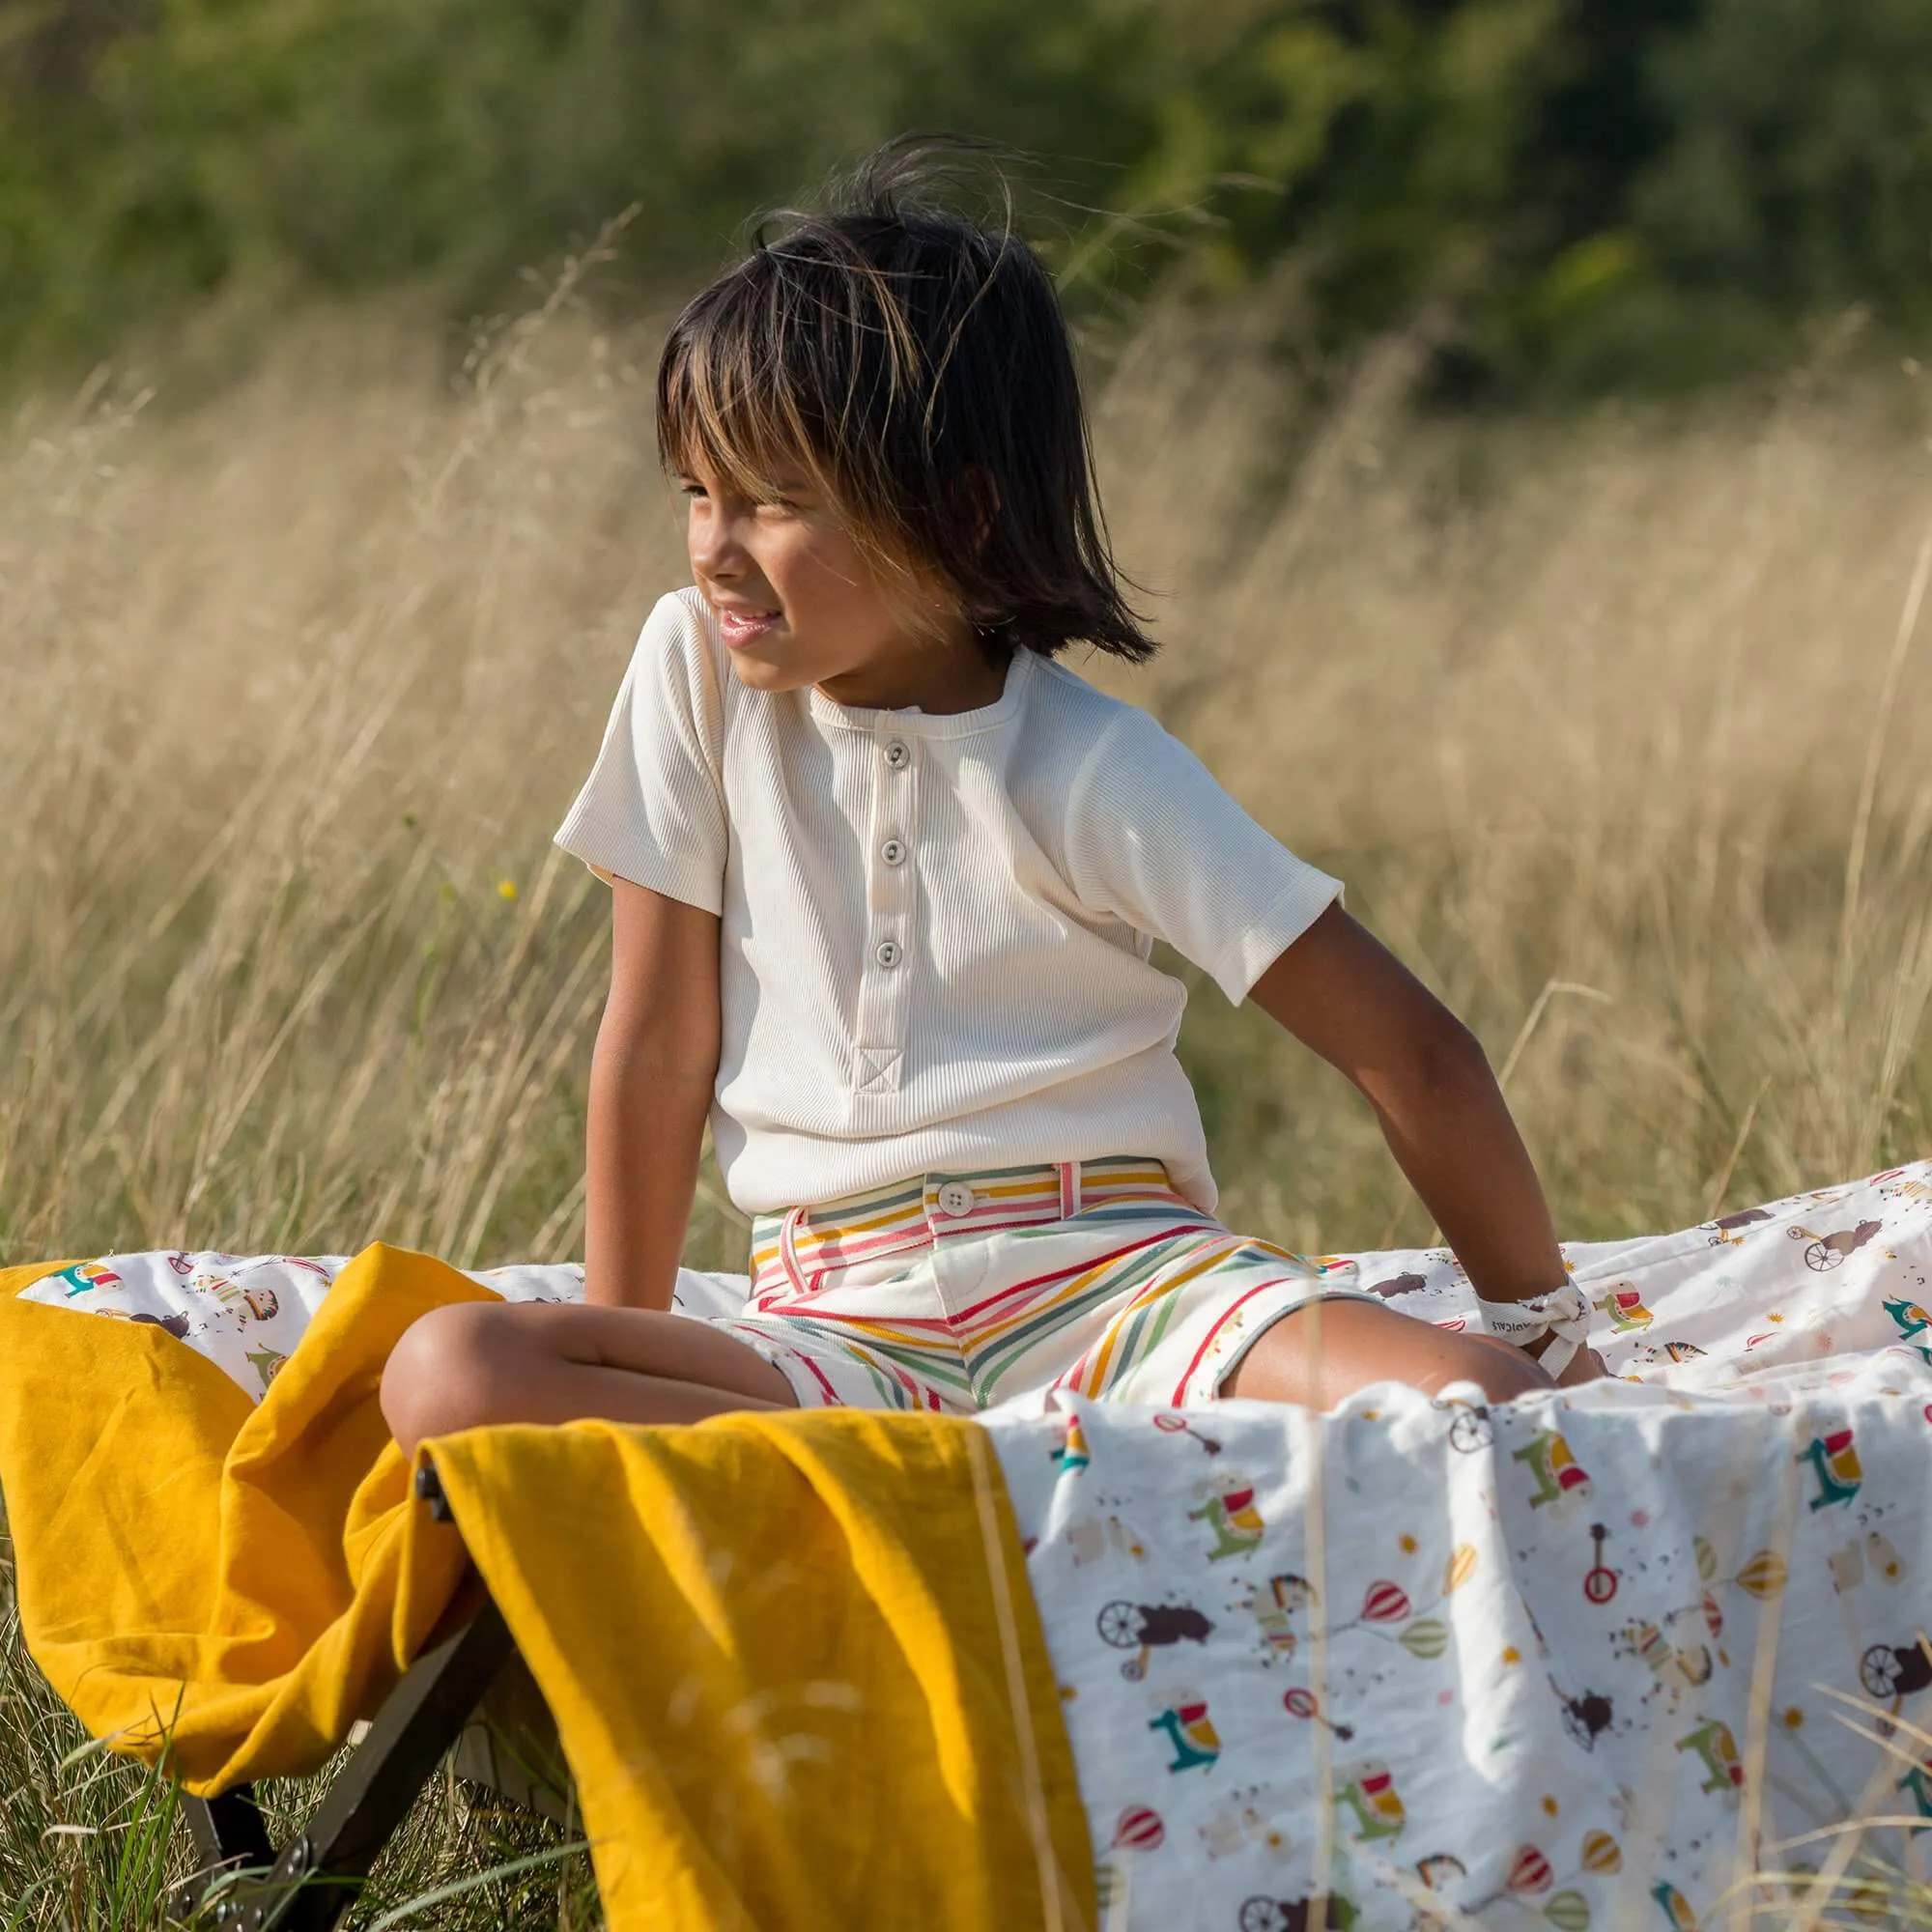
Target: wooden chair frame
[(312, 1880)]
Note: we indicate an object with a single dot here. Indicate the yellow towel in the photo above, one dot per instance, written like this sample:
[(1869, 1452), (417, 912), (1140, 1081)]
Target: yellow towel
[(251, 1578), (795, 1666)]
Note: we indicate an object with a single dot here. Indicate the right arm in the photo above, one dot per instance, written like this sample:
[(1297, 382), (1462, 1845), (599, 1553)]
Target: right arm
[(651, 1080)]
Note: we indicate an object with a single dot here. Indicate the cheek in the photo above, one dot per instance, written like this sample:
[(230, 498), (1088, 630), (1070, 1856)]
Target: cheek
[(825, 571)]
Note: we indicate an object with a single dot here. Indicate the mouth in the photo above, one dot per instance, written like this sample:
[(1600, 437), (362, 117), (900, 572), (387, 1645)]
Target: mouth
[(741, 625)]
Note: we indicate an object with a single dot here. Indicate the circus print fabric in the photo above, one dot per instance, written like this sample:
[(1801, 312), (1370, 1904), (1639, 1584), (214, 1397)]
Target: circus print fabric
[(245, 1313), (1617, 1655), (1580, 1661)]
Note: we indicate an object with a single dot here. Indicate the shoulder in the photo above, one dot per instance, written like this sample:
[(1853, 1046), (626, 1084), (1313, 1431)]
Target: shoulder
[(1106, 748), (1073, 715)]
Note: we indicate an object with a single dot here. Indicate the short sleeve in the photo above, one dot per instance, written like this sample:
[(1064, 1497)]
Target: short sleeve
[(1153, 840), (652, 810)]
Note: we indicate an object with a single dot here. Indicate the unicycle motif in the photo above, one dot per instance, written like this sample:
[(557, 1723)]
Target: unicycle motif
[(1293, 1915), (1145, 1627), (1825, 1252)]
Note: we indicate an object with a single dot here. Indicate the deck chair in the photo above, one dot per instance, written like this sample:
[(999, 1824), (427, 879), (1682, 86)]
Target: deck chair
[(469, 1692)]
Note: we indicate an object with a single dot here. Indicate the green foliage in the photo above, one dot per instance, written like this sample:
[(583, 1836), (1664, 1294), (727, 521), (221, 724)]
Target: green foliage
[(1572, 191)]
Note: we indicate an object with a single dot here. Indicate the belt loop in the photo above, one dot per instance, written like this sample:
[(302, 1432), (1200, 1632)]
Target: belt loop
[(788, 1249), (1070, 1190)]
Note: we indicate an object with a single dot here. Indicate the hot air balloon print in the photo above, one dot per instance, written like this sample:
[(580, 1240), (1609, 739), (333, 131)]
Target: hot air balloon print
[(1426, 1637), (1386, 1602), (1529, 1871), (1529, 1875), (1600, 1854), (1139, 1828), (1764, 1576)]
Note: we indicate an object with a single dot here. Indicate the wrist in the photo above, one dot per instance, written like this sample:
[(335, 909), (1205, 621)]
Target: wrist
[(1552, 1328)]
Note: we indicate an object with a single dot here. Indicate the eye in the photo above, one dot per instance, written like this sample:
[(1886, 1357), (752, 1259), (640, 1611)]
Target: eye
[(686, 487)]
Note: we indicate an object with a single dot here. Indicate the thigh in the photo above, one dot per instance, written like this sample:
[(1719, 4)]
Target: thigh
[(1321, 1354), (847, 1364), (642, 1341)]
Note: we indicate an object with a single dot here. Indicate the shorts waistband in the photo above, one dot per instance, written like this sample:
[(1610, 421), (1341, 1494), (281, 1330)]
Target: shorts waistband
[(912, 1213)]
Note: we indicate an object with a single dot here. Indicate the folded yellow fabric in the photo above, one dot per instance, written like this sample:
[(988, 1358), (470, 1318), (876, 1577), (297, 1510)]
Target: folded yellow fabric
[(251, 1579), (795, 1665), (795, 1661)]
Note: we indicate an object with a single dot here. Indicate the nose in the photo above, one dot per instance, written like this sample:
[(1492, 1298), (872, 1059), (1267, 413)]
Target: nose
[(712, 539)]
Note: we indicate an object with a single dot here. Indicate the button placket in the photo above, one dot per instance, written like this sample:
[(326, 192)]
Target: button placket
[(884, 982)]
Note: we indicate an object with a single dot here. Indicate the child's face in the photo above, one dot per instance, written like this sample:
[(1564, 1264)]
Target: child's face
[(800, 602)]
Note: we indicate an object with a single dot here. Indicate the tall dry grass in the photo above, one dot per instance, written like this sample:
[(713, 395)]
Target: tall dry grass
[(1619, 731)]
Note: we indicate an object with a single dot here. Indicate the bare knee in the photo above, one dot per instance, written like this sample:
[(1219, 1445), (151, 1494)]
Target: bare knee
[(1319, 1355), (1499, 1369), (456, 1368)]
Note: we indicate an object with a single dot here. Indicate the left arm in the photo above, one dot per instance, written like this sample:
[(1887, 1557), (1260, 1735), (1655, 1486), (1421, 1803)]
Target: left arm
[(1343, 994)]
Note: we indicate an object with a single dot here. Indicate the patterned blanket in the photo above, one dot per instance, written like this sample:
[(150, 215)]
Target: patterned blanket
[(1627, 1655)]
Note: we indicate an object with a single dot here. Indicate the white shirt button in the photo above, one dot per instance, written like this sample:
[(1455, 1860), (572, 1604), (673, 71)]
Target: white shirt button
[(955, 1198), (889, 952), (892, 851), (898, 754)]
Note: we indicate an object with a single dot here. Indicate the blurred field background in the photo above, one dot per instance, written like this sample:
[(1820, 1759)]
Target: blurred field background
[(1508, 406)]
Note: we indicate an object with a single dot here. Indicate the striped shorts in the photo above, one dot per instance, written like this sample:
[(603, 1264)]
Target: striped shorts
[(951, 1292)]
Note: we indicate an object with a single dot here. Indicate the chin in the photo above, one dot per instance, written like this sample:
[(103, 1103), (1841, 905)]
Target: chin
[(759, 676)]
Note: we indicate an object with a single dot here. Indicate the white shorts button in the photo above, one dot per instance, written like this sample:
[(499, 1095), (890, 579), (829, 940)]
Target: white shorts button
[(955, 1198), (892, 851), (888, 953), (898, 754)]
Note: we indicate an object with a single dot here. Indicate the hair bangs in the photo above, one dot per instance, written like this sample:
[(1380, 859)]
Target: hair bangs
[(725, 404)]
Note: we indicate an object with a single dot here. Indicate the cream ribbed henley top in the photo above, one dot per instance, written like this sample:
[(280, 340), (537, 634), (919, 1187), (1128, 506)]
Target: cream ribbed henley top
[(935, 929)]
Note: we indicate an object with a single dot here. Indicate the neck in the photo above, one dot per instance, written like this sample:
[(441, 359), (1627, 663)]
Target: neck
[(937, 675)]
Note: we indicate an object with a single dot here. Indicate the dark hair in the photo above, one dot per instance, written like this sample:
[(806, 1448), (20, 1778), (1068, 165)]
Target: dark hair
[(916, 363)]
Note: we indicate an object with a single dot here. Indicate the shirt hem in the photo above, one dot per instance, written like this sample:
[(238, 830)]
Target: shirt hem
[(610, 855), (1266, 939)]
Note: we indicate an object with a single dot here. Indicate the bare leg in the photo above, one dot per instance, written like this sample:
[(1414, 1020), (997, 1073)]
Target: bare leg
[(1322, 1354), (475, 1362)]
